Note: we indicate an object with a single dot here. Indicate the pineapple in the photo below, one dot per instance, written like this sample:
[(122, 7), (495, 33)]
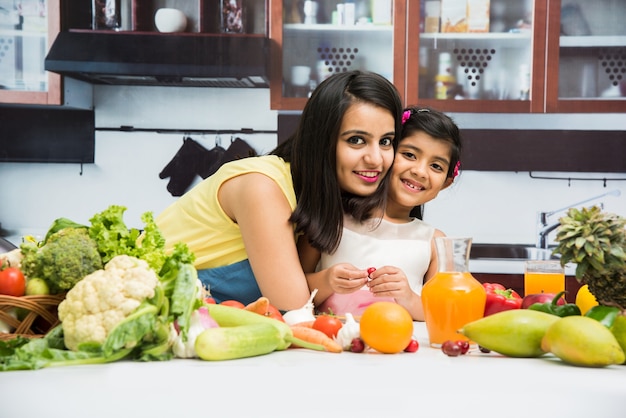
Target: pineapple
[(596, 242)]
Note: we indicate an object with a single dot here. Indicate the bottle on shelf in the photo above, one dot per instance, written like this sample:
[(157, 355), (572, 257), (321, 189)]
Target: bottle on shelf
[(524, 82), (445, 82)]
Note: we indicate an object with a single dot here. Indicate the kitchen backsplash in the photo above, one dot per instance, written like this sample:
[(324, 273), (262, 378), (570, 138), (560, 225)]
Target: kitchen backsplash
[(488, 206)]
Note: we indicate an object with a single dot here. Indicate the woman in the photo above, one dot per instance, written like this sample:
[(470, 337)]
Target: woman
[(242, 222)]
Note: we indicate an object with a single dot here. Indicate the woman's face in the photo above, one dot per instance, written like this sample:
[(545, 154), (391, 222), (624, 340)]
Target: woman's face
[(364, 148), (419, 173)]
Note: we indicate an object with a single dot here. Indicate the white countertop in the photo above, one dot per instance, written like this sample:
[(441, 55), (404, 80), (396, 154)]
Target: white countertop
[(303, 383)]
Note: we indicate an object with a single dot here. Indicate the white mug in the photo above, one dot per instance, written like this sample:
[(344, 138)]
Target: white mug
[(300, 75), (310, 12)]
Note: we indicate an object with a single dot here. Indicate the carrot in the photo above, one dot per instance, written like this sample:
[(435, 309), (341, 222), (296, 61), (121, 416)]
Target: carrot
[(307, 324), (313, 336), (259, 306)]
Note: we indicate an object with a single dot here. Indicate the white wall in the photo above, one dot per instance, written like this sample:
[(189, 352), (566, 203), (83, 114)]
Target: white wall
[(489, 206)]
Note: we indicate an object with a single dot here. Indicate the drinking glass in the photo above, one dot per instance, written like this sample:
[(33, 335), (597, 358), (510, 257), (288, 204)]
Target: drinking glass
[(543, 276)]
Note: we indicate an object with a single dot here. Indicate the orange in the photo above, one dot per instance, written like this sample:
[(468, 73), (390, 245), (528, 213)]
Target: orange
[(386, 327)]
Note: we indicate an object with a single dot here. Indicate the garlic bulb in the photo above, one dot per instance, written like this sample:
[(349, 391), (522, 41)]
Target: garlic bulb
[(303, 314), (348, 332)]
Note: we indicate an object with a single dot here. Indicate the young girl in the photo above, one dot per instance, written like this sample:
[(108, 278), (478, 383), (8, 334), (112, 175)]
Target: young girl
[(399, 246), (242, 222)]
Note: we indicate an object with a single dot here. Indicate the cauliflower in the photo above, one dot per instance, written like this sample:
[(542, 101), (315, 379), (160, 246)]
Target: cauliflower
[(12, 258), (104, 298), (65, 258)]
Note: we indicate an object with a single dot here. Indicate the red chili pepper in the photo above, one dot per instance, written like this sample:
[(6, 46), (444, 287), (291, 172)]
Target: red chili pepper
[(500, 299)]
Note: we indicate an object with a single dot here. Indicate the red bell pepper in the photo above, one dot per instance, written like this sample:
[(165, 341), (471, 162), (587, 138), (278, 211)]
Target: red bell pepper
[(500, 299)]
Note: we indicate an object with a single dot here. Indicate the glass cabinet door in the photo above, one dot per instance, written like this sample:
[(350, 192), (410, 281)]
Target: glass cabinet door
[(589, 51), (26, 29), (323, 37), (476, 55)]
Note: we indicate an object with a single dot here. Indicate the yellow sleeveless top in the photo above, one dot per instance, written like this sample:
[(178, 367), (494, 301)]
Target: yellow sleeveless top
[(197, 218)]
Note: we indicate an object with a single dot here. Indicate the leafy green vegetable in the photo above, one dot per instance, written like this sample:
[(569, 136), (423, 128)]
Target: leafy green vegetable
[(144, 334), (67, 255), (113, 237)]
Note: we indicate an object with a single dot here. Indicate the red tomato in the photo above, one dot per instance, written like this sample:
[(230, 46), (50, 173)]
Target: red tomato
[(328, 324), (273, 312), (233, 303), (209, 300), (12, 282)]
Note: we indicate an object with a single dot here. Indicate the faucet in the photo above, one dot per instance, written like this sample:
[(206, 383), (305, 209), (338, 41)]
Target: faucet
[(542, 219)]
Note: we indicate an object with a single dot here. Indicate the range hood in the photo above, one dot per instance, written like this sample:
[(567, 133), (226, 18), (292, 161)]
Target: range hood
[(165, 60)]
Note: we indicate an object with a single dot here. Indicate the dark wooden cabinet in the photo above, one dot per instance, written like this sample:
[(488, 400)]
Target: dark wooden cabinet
[(516, 282)]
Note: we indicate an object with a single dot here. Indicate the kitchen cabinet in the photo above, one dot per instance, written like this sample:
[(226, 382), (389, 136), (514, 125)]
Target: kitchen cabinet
[(27, 29), (317, 43), (587, 57), (495, 68), (203, 16), (526, 58)]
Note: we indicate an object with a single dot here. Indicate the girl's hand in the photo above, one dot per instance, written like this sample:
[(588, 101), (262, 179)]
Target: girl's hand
[(391, 282), (345, 278)]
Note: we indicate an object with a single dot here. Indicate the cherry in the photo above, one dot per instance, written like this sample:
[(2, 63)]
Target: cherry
[(464, 345), (451, 348), (357, 345), (412, 347), (370, 270)]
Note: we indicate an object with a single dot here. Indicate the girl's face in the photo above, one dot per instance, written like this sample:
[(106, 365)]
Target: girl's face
[(364, 148), (419, 173)]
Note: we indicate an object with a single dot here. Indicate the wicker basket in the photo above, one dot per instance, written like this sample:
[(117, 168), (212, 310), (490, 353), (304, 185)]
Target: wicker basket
[(39, 315)]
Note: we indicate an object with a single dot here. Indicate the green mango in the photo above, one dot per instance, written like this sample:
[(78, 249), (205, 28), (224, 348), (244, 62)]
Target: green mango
[(583, 341), (512, 333), (619, 331)]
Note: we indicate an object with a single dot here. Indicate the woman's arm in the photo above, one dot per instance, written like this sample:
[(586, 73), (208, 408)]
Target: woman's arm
[(259, 207)]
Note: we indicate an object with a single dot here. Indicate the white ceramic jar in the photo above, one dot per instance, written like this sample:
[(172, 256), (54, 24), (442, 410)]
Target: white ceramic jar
[(170, 20)]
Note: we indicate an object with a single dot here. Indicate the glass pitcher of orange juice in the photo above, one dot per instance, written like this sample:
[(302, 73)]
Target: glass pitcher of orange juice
[(453, 297)]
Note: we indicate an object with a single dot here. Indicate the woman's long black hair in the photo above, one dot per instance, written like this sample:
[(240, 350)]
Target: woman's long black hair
[(311, 150)]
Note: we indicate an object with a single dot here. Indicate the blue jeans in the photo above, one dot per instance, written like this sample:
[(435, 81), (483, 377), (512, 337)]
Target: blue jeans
[(235, 281)]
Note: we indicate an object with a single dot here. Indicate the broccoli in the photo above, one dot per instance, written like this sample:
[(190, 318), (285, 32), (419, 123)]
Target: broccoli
[(66, 257)]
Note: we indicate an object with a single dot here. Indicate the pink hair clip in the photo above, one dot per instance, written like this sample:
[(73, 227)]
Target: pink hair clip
[(405, 116), (456, 169)]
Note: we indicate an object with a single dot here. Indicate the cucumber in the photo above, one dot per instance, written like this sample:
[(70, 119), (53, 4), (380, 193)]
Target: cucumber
[(228, 316), (227, 343)]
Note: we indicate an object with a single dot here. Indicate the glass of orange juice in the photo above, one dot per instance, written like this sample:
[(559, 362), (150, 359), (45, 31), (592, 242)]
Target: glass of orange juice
[(543, 276)]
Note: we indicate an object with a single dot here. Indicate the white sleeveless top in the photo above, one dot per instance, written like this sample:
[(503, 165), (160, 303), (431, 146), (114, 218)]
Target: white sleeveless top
[(377, 243)]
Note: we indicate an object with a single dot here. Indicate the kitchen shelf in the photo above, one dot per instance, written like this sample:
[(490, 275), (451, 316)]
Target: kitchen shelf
[(592, 41), (336, 28)]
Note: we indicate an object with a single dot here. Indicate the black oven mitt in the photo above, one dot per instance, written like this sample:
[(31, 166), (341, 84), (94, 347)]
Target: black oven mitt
[(238, 149), (191, 159)]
